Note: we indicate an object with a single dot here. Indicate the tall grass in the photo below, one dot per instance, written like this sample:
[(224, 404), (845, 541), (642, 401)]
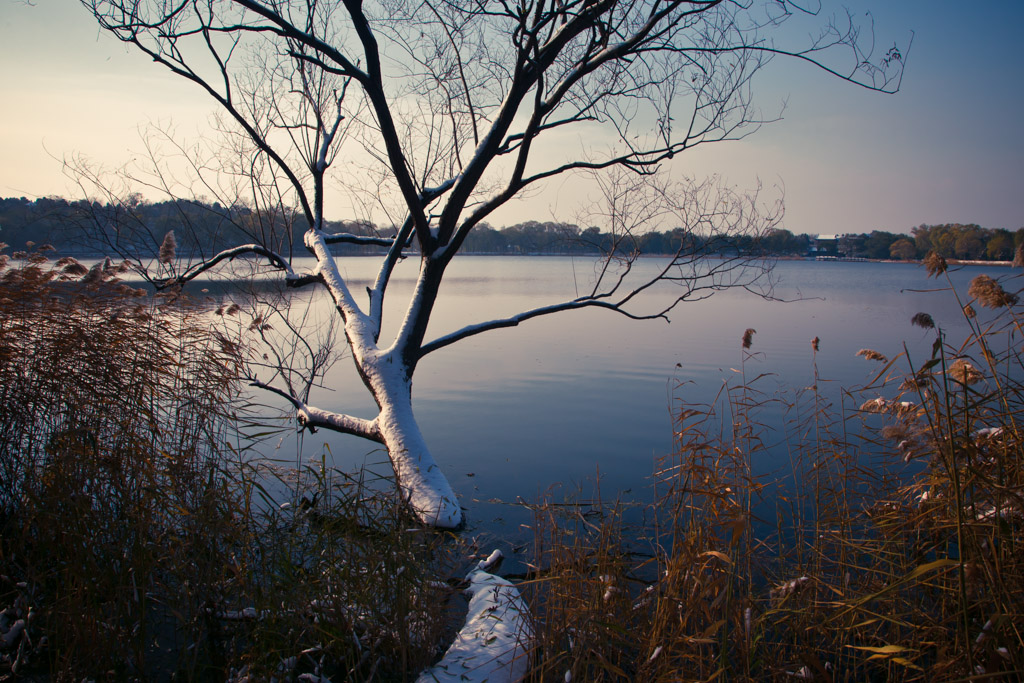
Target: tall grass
[(139, 539), (111, 420), (892, 549)]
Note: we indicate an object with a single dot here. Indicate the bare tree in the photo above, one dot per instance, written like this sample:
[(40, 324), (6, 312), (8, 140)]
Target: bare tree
[(442, 111)]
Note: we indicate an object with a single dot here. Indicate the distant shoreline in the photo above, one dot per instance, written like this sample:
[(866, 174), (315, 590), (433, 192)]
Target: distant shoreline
[(838, 259), (809, 259), (814, 259)]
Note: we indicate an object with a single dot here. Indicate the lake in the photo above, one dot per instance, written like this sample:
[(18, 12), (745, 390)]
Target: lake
[(513, 412)]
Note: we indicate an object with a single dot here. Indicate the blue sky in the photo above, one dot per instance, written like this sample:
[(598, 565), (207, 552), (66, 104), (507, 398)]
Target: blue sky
[(948, 148)]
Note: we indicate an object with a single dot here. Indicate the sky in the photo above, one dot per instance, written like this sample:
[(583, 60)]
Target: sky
[(948, 148)]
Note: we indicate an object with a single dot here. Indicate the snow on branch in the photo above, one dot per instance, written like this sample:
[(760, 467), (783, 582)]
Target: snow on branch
[(400, 242), (278, 261), (349, 238), (513, 321), (311, 418)]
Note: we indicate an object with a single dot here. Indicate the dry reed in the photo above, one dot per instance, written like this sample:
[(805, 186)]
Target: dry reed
[(140, 538), (855, 565)]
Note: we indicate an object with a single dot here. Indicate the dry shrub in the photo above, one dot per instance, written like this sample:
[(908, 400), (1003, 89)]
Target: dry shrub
[(342, 582)]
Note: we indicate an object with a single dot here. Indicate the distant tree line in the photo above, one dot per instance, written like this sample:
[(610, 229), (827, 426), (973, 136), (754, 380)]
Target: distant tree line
[(950, 240), (208, 227), (968, 242)]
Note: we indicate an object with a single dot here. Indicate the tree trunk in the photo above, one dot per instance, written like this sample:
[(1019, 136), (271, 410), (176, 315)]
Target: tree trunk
[(423, 485)]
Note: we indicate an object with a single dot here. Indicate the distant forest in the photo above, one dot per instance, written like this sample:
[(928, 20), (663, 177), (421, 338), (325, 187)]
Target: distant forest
[(95, 229)]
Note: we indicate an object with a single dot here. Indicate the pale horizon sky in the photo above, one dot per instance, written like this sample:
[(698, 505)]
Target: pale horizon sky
[(948, 148)]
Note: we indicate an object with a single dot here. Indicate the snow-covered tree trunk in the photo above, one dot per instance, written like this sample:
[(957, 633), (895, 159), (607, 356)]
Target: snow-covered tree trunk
[(388, 375), (420, 479), (422, 484)]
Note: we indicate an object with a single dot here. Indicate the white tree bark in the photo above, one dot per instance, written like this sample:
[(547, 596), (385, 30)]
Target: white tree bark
[(420, 479)]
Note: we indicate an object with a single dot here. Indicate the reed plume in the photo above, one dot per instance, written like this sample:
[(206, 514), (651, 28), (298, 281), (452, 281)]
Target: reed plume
[(168, 248), (934, 264), (748, 337), (989, 293), (923, 320), (871, 354), (964, 373)]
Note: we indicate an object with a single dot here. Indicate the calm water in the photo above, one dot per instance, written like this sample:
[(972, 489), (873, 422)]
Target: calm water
[(513, 412)]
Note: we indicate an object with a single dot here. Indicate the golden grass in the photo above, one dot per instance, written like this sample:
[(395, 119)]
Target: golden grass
[(140, 539), (893, 549)]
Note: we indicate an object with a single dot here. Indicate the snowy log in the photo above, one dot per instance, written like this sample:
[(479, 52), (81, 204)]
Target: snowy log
[(494, 644)]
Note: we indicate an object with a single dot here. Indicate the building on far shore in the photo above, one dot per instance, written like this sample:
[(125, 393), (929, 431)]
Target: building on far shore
[(824, 245)]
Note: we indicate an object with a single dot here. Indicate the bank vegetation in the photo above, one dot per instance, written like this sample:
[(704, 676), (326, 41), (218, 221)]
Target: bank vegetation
[(143, 537)]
